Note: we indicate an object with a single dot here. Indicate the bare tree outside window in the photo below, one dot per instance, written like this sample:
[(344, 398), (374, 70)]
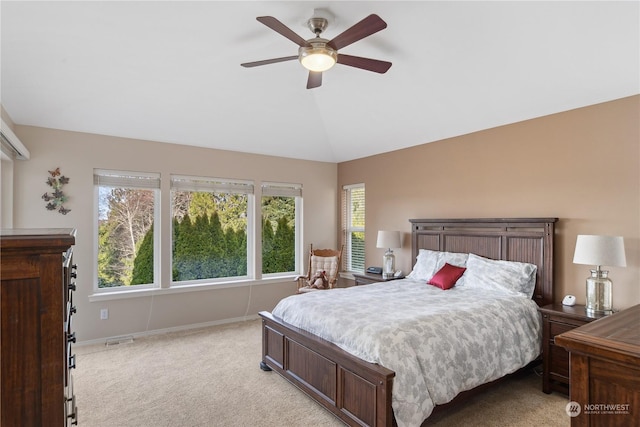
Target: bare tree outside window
[(126, 238)]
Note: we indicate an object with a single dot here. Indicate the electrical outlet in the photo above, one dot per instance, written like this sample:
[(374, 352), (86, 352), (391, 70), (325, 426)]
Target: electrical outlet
[(104, 313)]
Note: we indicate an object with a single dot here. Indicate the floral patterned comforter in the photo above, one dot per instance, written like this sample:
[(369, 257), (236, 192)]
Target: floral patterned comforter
[(439, 343)]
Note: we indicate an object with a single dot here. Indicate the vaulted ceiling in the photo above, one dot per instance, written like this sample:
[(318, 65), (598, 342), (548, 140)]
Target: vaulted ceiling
[(170, 71)]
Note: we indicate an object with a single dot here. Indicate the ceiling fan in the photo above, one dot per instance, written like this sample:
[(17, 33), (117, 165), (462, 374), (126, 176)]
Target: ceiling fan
[(319, 54)]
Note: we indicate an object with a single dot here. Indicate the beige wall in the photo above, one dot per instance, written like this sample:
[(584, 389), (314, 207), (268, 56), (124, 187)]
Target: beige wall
[(77, 154), (581, 166)]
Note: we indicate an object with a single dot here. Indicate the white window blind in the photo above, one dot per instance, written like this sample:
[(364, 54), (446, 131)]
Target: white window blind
[(281, 189), (213, 185), (110, 178), (353, 225)]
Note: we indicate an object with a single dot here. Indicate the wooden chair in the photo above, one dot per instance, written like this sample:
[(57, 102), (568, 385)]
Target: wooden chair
[(327, 260)]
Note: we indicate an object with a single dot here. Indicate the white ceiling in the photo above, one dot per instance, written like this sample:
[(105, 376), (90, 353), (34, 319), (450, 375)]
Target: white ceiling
[(170, 71)]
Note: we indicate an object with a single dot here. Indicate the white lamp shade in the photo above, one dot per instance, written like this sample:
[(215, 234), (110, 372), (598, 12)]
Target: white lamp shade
[(600, 250), (389, 239)]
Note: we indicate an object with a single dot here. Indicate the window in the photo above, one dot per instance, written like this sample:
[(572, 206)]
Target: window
[(211, 218), (281, 204), (212, 223), (353, 210), (127, 205)]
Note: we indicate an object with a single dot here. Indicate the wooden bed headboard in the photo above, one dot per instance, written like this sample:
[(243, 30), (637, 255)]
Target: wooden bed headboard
[(512, 239)]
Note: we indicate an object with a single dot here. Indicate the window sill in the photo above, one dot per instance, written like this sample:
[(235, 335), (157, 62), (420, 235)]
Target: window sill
[(178, 289)]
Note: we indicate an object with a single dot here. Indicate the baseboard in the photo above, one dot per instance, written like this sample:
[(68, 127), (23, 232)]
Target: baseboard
[(172, 329)]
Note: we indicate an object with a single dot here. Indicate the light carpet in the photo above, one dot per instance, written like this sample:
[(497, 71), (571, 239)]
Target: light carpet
[(210, 377)]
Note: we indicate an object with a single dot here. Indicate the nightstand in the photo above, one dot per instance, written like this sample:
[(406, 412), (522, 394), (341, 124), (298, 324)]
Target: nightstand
[(368, 278), (556, 319)]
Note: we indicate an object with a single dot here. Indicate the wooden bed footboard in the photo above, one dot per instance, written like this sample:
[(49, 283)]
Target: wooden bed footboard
[(358, 393)]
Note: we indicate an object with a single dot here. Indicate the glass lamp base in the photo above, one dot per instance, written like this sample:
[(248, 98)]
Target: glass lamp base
[(388, 264), (599, 293)]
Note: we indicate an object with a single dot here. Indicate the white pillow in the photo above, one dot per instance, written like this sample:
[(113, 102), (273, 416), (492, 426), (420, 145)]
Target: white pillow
[(509, 276), (453, 258), (425, 265), (429, 262)]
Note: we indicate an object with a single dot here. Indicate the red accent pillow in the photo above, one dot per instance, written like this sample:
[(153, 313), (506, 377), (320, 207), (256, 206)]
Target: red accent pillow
[(447, 276)]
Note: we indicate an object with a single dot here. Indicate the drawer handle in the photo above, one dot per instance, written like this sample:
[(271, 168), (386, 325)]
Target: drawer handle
[(72, 361), (72, 286), (71, 337), (73, 310), (74, 414)]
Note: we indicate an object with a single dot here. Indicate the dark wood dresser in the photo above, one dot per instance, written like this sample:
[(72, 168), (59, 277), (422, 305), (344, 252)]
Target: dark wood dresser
[(605, 370), (556, 319), (36, 302)]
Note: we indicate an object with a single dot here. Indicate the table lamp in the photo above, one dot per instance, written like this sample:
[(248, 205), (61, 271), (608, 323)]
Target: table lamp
[(599, 251), (389, 240)]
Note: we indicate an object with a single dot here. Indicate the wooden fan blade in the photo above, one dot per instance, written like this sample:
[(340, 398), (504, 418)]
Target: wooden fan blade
[(369, 25), (279, 27), (314, 80), (374, 65), (269, 61)]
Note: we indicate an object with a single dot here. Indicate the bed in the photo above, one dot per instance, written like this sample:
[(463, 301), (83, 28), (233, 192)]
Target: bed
[(358, 391)]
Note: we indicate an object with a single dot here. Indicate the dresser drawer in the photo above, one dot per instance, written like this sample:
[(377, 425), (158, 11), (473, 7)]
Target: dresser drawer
[(559, 328), (70, 407), (571, 323)]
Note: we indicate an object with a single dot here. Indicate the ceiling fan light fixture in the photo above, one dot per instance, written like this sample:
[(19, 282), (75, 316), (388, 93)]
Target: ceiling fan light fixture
[(317, 57), (319, 54)]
